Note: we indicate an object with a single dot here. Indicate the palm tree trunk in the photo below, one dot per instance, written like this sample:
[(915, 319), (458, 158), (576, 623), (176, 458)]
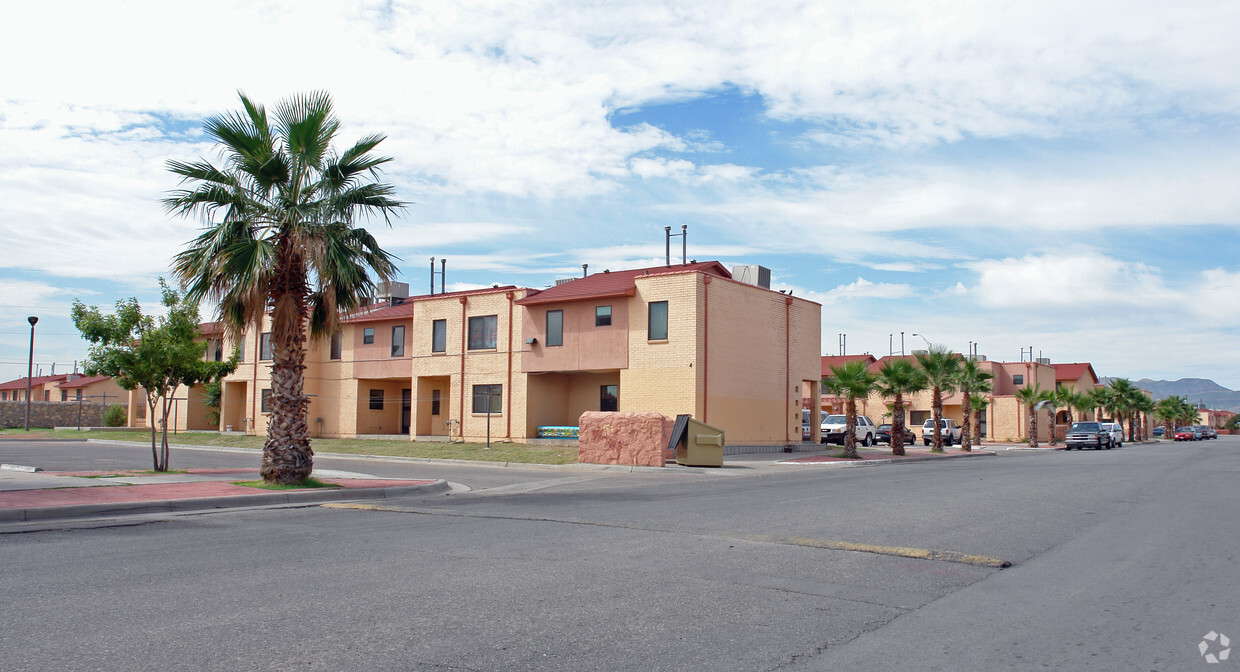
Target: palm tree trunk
[(936, 408), (287, 456), (966, 416), (897, 426), (1033, 427), (850, 428)]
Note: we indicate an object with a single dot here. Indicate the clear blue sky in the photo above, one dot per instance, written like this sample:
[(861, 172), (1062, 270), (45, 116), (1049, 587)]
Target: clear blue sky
[(1061, 175)]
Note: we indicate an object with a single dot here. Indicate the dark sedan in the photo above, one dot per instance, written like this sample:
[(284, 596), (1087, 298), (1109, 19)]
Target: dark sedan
[(883, 435)]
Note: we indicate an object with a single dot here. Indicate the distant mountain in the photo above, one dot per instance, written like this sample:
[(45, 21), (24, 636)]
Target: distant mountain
[(1195, 390)]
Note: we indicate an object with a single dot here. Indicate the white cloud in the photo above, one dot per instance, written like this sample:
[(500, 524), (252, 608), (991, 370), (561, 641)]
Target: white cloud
[(1076, 280)]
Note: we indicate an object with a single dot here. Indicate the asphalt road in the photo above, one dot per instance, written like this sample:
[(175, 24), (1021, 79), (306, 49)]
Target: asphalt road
[(1121, 560)]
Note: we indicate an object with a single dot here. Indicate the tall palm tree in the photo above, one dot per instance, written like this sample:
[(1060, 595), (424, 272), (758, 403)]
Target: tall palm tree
[(851, 380), (1079, 402), (1144, 406), (1124, 395), (939, 366), (897, 378), (1100, 400), (1031, 397), (971, 379), (1168, 411), (1060, 398), (279, 236)]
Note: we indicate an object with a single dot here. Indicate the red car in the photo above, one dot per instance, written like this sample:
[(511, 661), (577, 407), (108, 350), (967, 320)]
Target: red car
[(1185, 434)]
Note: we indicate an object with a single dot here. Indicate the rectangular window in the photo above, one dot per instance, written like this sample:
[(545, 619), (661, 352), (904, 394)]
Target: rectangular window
[(216, 351), (64, 395), (434, 402), (398, 340), (241, 348), (337, 346), (602, 316), (488, 398), (439, 336), (376, 400), (482, 332), (368, 335), (609, 399), (264, 403), (555, 327), (658, 321), (264, 346), (47, 395), (1018, 379), (79, 393)]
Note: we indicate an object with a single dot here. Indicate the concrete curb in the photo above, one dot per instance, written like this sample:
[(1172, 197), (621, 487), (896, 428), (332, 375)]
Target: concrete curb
[(43, 513), (881, 461)]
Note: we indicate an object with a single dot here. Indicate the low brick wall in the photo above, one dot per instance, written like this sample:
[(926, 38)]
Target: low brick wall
[(637, 439), (50, 414)]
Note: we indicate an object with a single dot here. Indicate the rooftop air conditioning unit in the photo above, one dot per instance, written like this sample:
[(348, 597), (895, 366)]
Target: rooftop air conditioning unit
[(752, 275), (1043, 360), (392, 290)]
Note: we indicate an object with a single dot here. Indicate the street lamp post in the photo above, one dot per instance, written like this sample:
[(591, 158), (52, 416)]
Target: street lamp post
[(30, 368), (928, 345)]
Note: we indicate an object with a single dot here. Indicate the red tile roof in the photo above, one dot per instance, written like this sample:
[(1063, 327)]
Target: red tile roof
[(610, 284), (1074, 371), (829, 361), (83, 382), (20, 383)]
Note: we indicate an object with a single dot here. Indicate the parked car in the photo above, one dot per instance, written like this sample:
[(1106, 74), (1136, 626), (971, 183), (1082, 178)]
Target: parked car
[(1185, 434), (1084, 435), (1159, 431), (950, 430), (1116, 430), (883, 435), (833, 430), (1205, 432)]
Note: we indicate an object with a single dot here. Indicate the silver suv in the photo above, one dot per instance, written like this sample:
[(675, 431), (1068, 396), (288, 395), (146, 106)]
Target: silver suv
[(833, 429), (950, 430), (1116, 430)]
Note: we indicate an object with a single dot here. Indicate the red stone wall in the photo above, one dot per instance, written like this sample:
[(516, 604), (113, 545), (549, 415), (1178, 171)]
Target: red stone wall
[(638, 439)]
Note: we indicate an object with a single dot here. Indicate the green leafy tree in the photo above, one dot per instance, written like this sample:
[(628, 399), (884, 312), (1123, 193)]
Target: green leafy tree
[(213, 399), (1100, 402), (1169, 411), (1124, 399), (971, 379), (1079, 402), (280, 235), (897, 378), (939, 365), (158, 356), (1031, 396), (851, 380), (1232, 424)]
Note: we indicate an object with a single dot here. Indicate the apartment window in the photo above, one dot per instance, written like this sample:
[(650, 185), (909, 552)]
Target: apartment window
[(398, 340), (658, 321), (241, 348), (368, 335), (218, 351), (609, 398), (64, 395), (264, 346), (434, 402), (555, 327), (602, 316), (376, 400), (482, 331), (1018, 379), (488, 398), (79, 393), (264, 401), (337, 345), (47, 395), (439, 336)]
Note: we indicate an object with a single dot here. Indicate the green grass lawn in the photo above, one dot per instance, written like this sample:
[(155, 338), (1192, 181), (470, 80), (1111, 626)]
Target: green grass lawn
[(499, 452)]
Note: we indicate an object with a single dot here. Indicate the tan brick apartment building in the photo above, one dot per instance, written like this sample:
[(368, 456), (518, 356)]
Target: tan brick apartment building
[(669, 339)]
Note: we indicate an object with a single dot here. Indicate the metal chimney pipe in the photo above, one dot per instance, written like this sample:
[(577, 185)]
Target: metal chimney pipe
[(667, 237), (585, 270), (443, 274), (432, 276), (684, 244)]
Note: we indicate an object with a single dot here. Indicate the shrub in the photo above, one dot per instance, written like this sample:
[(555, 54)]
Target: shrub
[(115, 416)]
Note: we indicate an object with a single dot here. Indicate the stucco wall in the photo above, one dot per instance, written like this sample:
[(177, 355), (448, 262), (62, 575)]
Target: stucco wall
[(585, 346)]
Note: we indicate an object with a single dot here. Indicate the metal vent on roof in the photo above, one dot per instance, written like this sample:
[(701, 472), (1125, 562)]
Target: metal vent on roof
[(562, 281), (752, 275), (1043, 360)]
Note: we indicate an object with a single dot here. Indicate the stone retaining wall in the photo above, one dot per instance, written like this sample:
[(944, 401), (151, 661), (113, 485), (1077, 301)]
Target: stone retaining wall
[(50, 414), (638, 439)]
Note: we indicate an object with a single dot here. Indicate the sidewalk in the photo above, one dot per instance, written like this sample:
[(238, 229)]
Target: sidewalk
[(28, 495)]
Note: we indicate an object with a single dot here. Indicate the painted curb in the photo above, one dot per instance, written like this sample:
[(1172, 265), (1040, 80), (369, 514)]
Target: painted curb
[(44, 513)]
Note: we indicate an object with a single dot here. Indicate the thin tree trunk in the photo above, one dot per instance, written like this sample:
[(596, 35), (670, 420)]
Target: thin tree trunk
[(936, 408), (1054, 412), (1033, 427), (150, 402)]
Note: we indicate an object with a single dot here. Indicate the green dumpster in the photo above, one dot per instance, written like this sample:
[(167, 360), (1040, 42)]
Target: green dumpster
[(697, 443)]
